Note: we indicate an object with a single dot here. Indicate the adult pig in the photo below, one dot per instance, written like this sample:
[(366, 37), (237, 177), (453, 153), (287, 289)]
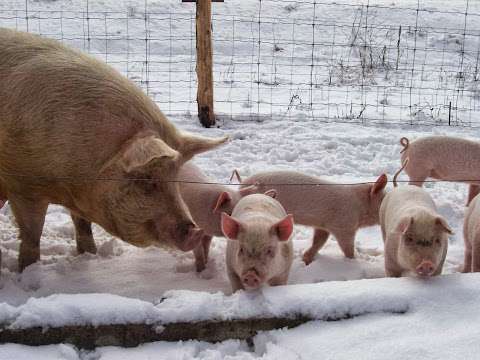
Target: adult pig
[(443, 158), (327, 207), (74, 132), (415, 235), (471, 235), (259, 249)]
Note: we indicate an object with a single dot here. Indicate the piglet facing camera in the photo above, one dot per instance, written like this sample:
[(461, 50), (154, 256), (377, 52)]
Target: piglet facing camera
[(259, 249), (415, 235)]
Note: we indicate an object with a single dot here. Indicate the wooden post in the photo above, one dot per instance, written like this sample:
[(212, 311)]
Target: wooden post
[(206, 114)]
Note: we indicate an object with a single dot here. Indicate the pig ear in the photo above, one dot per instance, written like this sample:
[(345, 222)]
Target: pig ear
[(223, 198), (144, 150), (379, 184), (191, 145), (230, 226), (250, 189), (284, 228), (442, 223), (272, 193), (405, 224)]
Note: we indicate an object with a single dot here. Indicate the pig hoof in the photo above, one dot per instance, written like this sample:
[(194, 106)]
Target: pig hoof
[(308, 258), (200, 267)]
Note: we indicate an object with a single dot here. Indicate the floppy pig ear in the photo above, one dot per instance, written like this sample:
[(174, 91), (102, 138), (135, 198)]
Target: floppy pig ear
[(442, 223), (191, 145), (379, 184), (230, 226), (284, 228), (144, 150), (223, 198)]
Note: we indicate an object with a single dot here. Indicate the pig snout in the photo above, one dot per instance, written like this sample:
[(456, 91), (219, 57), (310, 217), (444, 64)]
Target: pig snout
[(426, 268), (251, 279), (187, 236)]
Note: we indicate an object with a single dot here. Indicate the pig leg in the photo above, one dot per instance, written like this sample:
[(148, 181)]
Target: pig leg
[(206, 242), (83, 235), (467, 262), (473, 191), (319, 238), (346, 241), (30, 217), (201, 253)]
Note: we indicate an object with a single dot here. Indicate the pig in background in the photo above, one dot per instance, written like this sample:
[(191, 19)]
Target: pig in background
[(443, 158), (89, 139), (329, 208), (259, 248), (206, 201), (471, 236), (414, 234)]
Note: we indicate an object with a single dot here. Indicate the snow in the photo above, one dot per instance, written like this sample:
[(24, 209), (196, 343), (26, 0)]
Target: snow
[(322, 301), (127, 284), (390, 318)]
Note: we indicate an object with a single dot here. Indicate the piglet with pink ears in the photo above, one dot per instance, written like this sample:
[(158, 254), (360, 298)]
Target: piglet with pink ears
[(259, 248)]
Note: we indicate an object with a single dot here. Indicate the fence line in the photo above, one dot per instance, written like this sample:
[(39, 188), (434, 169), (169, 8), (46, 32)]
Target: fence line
[(229, 183), (307, 59)]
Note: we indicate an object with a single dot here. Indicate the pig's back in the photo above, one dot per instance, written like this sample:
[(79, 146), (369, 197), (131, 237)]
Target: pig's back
[(58, 105), (449, 158), (312, 200)]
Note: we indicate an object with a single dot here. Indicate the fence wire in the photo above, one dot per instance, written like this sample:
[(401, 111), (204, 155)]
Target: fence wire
[(362, 62)]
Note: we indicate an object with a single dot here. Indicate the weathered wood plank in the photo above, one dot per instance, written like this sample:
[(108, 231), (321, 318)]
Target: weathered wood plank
[(130, 335)]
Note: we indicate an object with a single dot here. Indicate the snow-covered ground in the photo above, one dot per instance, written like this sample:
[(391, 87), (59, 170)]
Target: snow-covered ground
[(337, 151), (390, 318)]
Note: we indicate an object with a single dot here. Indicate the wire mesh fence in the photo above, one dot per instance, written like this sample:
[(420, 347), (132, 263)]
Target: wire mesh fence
[(363, 62)]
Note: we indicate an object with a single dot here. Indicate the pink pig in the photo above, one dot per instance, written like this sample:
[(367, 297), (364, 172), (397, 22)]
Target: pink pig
[(328, 207), (259, 249), (471, 235), (444, 158), (206, 201), (415, 235)]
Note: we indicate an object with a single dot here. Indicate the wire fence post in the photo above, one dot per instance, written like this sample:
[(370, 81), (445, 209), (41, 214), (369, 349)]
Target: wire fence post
[(206, 113)]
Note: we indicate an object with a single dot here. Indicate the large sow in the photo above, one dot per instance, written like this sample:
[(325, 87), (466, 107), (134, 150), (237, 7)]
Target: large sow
[(74, 132)]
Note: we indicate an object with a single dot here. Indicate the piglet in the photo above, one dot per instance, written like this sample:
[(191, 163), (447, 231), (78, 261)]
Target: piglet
[(415, 235), (259, 249), (206, 201), (471, 235), (443, 158), (328, 207)]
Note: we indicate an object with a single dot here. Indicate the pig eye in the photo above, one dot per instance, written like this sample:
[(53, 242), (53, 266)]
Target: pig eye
[(241, 251), (270, 252), (437, 241), (408, 240)]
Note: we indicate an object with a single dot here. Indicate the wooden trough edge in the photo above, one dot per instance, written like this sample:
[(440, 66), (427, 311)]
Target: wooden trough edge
[(131, 335)]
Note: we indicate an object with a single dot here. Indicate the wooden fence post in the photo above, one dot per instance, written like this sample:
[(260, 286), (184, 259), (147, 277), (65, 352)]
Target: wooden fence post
[(204, 69)]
